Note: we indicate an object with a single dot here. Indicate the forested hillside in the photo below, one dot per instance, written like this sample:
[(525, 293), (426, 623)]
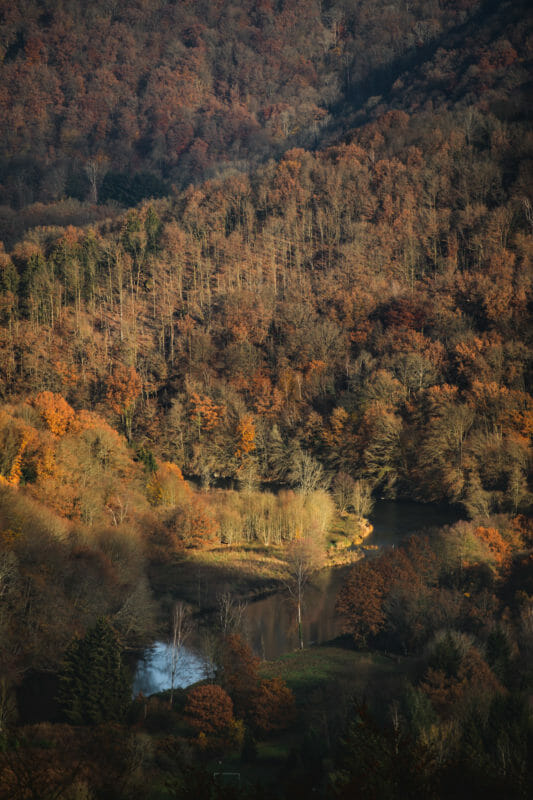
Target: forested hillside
[(368, 304), (107, 101), (264, 263)]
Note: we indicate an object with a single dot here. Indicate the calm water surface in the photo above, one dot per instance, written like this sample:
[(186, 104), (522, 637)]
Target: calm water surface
[(270, 622), (154, 669), (394, 521)]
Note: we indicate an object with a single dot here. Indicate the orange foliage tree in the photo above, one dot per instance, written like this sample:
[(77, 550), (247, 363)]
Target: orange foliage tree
[(193, 525), (55, 412), (209, 709), (499, 548), (237, 671), (272, 706), (167, 486), (471, 679), (205, 414), (245, 437), (266, 705), (360, 602), (209, 712), (123, 388)]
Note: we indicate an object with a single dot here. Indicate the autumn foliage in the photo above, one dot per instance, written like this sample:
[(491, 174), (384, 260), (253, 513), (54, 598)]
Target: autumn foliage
[(55, 412), (260, 259), (209, 710), (499, 548), (123, 389), (272, 706), (266, 705), (360, 602), (469, 677)]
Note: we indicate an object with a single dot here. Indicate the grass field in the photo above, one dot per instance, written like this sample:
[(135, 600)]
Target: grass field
[(362, 675)]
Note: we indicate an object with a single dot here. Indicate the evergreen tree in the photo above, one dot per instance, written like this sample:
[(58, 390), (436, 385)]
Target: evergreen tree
[(94, 685)]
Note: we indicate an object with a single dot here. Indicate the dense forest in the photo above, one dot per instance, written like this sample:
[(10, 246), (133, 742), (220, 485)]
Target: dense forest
[(263, 264), (137, 96)]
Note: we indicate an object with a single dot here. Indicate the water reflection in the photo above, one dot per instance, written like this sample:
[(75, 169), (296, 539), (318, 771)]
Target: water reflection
[(394, 521), (269, 626), (154, 669), (270, 623)]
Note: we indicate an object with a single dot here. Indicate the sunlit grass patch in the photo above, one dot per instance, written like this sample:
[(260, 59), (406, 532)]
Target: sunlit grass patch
[(248, 561)]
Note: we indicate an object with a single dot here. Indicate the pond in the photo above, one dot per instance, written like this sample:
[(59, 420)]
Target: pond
[(154, 669), (269, 623)]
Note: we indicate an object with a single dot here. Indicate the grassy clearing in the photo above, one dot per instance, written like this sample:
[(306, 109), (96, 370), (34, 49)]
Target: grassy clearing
[(363, 675), (246, 571), (342, 528), (259, 565), (200, 576), (252, 562)]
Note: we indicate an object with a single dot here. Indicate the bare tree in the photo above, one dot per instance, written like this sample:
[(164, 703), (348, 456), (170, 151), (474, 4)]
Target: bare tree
[(209, 653), (362, 502), (306, 473), (528, 210), (303, 558), (8, 571), (180, 632), (342, 490), (230, 614), (95, 169), (8, 705)]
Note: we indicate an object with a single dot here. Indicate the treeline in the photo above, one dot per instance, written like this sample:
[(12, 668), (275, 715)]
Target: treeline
[(113, 103)]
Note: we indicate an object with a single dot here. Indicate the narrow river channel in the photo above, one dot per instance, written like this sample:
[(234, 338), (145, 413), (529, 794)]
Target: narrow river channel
[(269, 623)]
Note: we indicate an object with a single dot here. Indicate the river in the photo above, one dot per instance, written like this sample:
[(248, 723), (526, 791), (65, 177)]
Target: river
[(269, 623)]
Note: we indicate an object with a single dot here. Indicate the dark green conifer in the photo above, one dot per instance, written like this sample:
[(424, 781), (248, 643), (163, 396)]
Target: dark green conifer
[(94, 684)]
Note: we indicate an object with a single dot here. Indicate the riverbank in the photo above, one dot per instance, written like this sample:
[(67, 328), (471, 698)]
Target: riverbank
[(254, 574), (248, 573), (256, 577), (251, 571)]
